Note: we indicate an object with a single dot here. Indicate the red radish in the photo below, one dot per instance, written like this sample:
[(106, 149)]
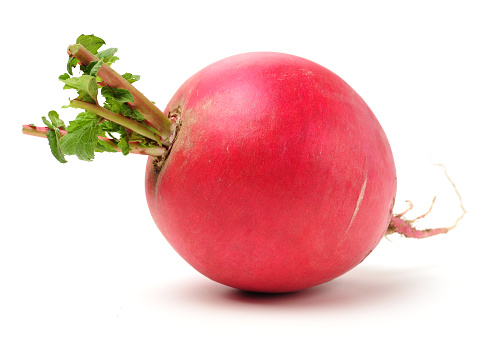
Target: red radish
[(266, 172), (281, 177)]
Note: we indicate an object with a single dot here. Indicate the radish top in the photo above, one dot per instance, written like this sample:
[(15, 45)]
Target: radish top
[(126, 121)]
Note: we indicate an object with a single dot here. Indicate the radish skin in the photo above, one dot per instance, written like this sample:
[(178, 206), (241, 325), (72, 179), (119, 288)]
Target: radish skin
[(281, 177)]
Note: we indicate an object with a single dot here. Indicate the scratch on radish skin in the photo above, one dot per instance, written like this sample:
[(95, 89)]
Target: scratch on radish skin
[(358, 203)]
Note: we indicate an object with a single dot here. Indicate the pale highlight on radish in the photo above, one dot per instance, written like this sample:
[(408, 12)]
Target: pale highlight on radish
[(358, 203)]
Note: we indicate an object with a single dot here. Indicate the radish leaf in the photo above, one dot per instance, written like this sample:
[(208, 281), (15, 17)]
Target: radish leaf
[(90, 42), (56, 121), (131, 77), (84, 118), (108, 55), (103, 146), (84, 83), (54, 143), (82, 141), (119, 95), (54, 134), (95, 68), (123, 144), (71, 63)]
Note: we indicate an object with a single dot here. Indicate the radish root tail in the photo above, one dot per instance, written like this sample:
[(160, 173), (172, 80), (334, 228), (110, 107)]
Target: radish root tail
[(399, 224)]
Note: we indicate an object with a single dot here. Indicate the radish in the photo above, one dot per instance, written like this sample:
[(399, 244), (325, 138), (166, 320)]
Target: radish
[(266, 171)]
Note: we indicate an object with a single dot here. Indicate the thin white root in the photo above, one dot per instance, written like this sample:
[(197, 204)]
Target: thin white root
[(457, 193), (424, 215), (410, 207), (399, 224)]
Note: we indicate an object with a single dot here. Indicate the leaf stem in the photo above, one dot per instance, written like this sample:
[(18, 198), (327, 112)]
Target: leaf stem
[(135, 148), (115, 117), (151, 113)]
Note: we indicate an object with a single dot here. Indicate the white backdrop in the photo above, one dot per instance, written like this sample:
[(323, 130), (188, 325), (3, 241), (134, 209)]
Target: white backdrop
[(81, 261)]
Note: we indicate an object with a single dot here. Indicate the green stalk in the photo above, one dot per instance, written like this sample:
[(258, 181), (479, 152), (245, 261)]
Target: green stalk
[(153, 115), (134, 147), (117, 118)]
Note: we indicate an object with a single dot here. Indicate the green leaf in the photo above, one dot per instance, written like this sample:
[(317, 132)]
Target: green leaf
[(108, 56), (54, 118), (81, 141), (109, 126), (83, 118), (95, 68), (48, 123), (124, 146), (71, 63), (130, 112), (111, 60), (53, 137), (112, 105), (88, 68), (54, 134), (123, 143), (139, 116), (106, 53), (131, 77), (90, 42), (117, 102), (84, 83), (103, 146), (85, 97), (125, 109), (120, 95)]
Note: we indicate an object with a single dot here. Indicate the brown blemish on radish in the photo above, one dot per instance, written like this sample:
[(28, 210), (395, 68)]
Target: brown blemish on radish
[(175, 116)]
